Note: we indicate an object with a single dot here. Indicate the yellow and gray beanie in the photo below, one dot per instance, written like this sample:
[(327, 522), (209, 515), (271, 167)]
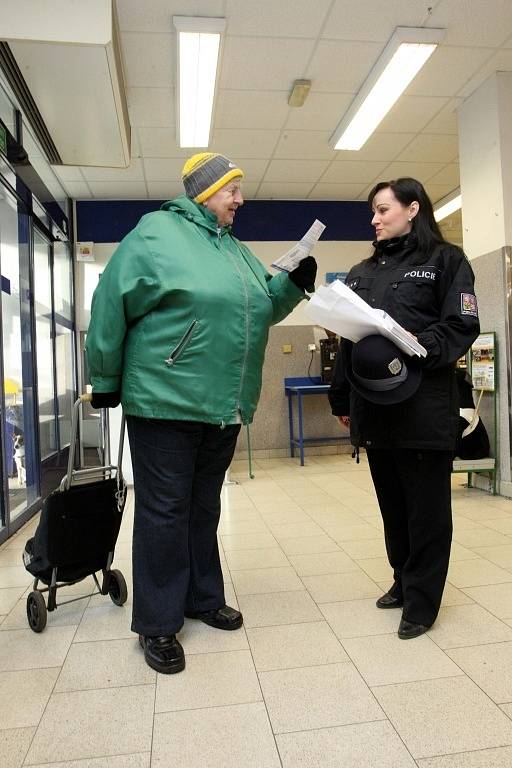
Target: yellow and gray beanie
[(203, 174)]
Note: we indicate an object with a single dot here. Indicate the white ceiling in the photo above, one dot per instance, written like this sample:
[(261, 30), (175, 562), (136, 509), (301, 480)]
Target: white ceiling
[(283, 150)]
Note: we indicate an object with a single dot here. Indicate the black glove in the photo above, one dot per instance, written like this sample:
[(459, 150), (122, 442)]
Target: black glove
[(304, 275), (105, 399)]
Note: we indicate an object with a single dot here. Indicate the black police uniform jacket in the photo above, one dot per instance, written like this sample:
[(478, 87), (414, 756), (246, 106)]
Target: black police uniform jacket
[(432, 297)]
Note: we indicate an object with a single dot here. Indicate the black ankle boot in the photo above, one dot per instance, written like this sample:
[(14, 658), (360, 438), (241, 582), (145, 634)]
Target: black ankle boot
[(165, 653)]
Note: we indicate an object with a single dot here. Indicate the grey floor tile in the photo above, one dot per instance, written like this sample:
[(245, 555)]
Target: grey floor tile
[(103, 620), (480, 537), (323, 563), (295, 530), (489, 666), (247, 559), (139, 760), (278, 608), (104, 664), (487, 758), (14, 576), (230, 737), (340, 586), (499, 555), (303, 545), (385, 659), (438, 717), (197, 637), (294, 645), (24, 649), (454, 596), (497, 598), (266, 581), (377, 568), (464, 625), (65, 615), (365, 745), (361, 550), (14, 746), (317, 697), (86, 724), (25, 694), (210, 680), (359, 618), (248, 541), (9, 596), (475, 573)]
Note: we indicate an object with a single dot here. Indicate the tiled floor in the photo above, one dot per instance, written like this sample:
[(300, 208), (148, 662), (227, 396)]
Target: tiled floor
[(317, 678)]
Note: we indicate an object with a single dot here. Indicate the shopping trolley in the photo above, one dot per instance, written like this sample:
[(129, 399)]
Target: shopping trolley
[(78, 530)]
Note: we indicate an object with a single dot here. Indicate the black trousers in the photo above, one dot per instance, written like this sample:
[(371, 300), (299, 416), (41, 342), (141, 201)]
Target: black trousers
[(178, 469), (414, 492)]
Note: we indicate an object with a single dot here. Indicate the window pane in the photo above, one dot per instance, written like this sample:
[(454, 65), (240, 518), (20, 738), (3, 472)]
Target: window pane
[(44, 348), (62, 279), (65, 380)]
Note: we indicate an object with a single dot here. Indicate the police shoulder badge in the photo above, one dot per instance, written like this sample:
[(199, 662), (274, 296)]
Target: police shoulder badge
[(468, 305)]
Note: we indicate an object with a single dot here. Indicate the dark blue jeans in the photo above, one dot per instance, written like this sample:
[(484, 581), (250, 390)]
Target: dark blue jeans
[(178, 470)]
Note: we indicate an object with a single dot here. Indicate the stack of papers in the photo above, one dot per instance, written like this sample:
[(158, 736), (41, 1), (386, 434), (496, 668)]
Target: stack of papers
[(339, 309), (300, 250)]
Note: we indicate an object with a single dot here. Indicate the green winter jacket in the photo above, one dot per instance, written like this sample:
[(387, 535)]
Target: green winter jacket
[(180, 319)]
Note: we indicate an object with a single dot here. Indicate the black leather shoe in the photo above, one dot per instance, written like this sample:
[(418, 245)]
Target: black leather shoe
[(408, 629), (220, 618), (388, 601), (165, 654)]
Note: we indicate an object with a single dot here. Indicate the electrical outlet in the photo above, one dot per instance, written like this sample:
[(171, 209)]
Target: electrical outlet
[(311, 347)]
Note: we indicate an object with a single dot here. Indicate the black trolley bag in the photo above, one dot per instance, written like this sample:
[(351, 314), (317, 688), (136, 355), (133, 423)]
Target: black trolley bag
[(77, 532)]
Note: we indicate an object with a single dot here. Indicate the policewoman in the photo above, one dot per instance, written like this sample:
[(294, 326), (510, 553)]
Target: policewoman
[(178, 330), (404, 411)]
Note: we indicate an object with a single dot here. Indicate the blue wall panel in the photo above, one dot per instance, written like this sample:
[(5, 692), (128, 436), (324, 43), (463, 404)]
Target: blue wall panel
[(108, 221)]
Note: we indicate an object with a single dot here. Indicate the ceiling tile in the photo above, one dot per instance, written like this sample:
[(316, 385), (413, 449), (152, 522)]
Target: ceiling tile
[(156, 15), (421, 171), (353, 172), (237, 143), (135, 144), (300, 18), (78, 190), (307, 145), (448, 175), (255, 64), (68, 172), (427, 146), (284, 191), (341, 67), (132, 173), (162, 169), (446, 120), (321, 112), (254, 170), (323, 191), (436, 192), (251, 109), (364, 21), (500, 62), (478, 23), (380, 146), (291, 170), (151, 107), (447, 71), (160, 142), (148, 60), (412, 113), (249, 190), (164, 190), (112, 190)]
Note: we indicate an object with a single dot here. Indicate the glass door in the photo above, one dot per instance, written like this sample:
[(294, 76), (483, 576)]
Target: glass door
[(20, 465)]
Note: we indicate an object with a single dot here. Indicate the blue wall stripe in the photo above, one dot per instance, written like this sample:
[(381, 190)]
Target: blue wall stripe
[(108, 221), (5, 284)]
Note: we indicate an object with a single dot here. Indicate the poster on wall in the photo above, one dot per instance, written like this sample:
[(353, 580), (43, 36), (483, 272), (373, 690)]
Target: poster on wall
[(330, 277), (483, 362)]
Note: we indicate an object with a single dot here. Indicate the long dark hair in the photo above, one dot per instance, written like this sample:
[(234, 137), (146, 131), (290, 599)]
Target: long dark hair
[(424, 225)]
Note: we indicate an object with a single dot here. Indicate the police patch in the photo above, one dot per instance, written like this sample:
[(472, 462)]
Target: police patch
[(354, 283), (395, 366), (468, 305)]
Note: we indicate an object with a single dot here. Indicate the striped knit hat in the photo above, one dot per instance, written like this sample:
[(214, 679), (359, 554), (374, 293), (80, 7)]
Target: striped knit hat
[(203, 174)]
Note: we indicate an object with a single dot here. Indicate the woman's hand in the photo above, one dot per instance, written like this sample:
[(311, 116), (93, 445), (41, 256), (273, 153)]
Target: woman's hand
[(344, 421)]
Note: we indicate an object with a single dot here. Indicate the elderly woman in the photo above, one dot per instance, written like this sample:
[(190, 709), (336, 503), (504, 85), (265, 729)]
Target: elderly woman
[(179, 325)]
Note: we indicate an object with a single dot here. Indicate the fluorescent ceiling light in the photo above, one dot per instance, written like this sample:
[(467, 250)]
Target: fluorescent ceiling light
[(199, 41), (401, 60), (448, 205)]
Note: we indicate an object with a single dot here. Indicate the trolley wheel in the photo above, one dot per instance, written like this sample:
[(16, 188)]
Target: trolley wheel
[(117, 588), (36, 612)]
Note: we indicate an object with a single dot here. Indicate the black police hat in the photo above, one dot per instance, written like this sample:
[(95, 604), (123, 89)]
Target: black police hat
[(381, 373)]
